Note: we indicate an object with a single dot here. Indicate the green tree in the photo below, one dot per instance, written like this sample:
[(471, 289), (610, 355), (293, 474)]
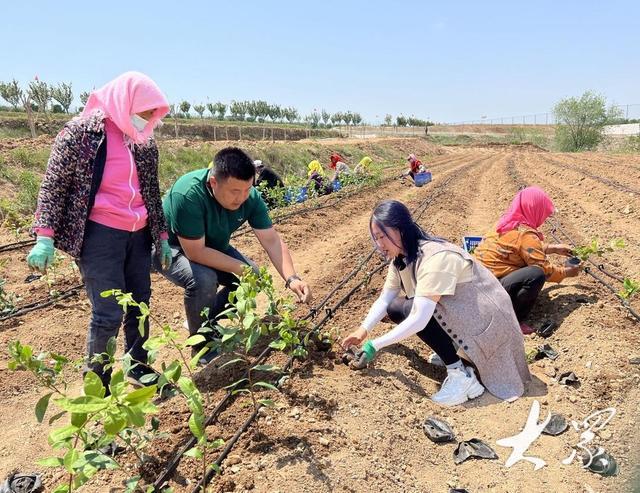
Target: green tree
[(11, 93), (40, 94), (291, 114), (185, 106), (212, 109), (326, 116), (238, 110), (221, 109), (199, 108), (357, 119), (581, 121), (63, 94), (275, 112), (388, 119), (84, 97), (401, 121)]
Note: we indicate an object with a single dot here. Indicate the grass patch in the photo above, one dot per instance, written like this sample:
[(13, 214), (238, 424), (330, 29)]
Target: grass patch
[(31, 158)]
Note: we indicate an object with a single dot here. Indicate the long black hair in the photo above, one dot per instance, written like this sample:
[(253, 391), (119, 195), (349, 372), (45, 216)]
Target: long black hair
[(394, 214)]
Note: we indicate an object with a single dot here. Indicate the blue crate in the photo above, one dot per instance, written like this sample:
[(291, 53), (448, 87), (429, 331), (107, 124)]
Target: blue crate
[(336, 185), (422, 178), (469, 243), (296, 195)]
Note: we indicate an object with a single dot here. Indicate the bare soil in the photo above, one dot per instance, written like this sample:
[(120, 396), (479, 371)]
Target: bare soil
[(334, 429)]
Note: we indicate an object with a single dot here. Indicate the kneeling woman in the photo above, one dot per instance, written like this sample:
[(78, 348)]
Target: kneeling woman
[(448, 298)]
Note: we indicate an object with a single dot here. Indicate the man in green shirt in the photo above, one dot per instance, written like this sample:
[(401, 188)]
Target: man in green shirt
[(203, 208)]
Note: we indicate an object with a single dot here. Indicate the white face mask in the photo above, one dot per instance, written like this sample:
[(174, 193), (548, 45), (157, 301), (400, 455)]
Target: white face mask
[(138, 122)]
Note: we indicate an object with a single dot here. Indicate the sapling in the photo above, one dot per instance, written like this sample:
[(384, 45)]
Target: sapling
[(8, 300), (583, 252), (629, 288), (245, 325), (96, 418)]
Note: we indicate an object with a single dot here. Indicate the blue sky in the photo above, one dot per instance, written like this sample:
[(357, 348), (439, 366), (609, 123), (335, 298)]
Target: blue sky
[(446, 61)]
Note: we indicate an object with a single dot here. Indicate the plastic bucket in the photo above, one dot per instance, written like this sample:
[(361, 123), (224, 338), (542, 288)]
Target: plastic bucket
[(422, 178)]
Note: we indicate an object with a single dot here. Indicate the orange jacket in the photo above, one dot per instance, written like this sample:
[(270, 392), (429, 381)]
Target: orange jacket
[(505, 253)]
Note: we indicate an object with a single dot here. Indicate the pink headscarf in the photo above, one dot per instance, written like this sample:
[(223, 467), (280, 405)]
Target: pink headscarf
[(126, 95), (531, 206)]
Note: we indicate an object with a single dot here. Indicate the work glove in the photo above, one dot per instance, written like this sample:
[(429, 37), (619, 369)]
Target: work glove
[(42, 254), (166, 256), (363, 357)]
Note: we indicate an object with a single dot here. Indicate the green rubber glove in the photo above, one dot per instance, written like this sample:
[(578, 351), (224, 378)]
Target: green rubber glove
[(42, 254), (363, 357), (369, 350), (166, 257)]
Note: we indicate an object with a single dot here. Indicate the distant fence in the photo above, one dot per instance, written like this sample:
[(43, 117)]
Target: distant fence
[(627, 111)]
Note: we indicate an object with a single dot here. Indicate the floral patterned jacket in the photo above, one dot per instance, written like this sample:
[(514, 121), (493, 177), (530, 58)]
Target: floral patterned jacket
[(66, 193)]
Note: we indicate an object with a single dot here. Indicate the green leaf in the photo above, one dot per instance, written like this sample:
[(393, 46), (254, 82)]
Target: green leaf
[(141, 395), (132, 484), (194, 452), (135, 415), (59, 435), (56, 417), (228, 336), (254, 335), (98, 460), (148, 378), (279, 345), (93, 385), (82, 404), (266, 368), (266, 385), (114, 423), (51, 462), (63, 488), (42, 405), (236, 383), (195, 340), (248, 321), (196, 425), (69, 458), (78, 419), (217, 443), (231, 362), (267, 402), (196, 359), (112, 346)]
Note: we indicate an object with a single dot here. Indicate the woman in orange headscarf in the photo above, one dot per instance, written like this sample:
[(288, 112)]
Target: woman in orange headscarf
[(517, 256)]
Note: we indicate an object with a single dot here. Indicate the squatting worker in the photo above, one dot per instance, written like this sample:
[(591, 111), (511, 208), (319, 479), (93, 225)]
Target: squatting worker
[(449, 301), (203, 208), (514, 251)]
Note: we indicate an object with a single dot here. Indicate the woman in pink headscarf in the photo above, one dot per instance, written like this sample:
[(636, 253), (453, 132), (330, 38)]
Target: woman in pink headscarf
[(100, 202), (517, 256)]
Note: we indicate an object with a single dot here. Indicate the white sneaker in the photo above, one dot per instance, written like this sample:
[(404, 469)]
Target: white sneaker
[(435, 360), (458, 387)]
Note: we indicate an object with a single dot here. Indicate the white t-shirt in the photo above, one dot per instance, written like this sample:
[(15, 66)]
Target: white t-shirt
[(435, 276)]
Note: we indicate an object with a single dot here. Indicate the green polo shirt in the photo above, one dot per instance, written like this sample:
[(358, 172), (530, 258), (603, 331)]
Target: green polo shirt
[(193, 212)]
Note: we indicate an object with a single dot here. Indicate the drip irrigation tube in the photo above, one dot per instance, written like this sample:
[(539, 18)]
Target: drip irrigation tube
[(329, 313), (17, 245), (606, 181), (556, 226), (42, 304), (230, 444)]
